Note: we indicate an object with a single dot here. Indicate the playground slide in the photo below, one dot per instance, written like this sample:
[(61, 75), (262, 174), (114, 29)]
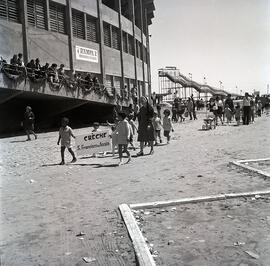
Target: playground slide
[(202, 88)]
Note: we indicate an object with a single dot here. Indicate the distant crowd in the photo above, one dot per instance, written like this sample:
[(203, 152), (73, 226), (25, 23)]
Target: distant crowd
[(228, 109)]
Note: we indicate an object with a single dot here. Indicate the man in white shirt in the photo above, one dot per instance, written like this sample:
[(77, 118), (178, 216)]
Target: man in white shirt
[(246, 109)]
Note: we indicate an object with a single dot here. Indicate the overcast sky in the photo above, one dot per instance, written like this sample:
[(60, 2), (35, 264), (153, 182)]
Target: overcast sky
[(223, 40)]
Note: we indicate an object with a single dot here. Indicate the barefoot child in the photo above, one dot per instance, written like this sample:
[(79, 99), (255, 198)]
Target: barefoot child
[(237, 114), (133, 129), (65, 134), (167, 124), (157, 127), (123, 130), (228, 114)]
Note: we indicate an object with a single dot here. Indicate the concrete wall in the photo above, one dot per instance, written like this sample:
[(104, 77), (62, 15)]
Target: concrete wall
[(126, 25), (145, 72), (87, 6), (10, 39), (139, 70), (110, 16), (129, 70), (49, 46), (138, 33), (85, 65), (112, 61)]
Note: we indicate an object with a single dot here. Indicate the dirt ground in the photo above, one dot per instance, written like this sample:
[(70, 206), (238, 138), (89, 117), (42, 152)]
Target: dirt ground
[(210, 234), (44, 205)]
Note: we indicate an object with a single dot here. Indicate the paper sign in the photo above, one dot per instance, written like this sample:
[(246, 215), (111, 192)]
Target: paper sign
[(93, 142), (86, 54)]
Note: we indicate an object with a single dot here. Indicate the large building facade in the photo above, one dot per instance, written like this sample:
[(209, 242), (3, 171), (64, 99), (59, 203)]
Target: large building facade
[(107, 38)]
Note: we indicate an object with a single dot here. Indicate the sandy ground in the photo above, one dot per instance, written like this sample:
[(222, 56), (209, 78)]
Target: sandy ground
[(44, 206), (210, 234)]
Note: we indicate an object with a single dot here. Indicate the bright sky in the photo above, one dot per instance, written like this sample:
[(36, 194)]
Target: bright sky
[(222, 40)]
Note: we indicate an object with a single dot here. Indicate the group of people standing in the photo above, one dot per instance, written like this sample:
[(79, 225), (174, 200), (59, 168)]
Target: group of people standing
[(244, 109), (149, 128), (182, 109)]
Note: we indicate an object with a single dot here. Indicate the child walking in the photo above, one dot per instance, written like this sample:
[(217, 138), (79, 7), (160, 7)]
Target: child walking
[(237, 114), (167, 124), (133, 129), (65, 134), (157, 127), (123, 130), (228, 114)]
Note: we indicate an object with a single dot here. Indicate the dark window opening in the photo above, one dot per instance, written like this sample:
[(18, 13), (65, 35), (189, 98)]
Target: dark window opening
[(78, 24), (125, 9), (9, 9), (57, 18), (107, 34), (115, 38), (131, 49), (36, 13), (110, 3), (125, 42), (91, 29)]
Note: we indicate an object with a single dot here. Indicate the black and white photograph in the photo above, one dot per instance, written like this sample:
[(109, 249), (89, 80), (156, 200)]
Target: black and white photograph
[(134, 132)]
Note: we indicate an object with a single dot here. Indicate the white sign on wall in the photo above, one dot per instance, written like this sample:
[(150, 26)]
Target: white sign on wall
[(94, 142), (86, 54)]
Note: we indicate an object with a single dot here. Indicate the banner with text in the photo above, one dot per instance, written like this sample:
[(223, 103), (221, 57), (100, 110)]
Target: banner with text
[(86, 54), (94, 142)]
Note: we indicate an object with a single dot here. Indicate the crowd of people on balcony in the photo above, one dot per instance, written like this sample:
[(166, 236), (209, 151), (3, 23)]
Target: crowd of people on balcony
[(58, 76), (54, 74)]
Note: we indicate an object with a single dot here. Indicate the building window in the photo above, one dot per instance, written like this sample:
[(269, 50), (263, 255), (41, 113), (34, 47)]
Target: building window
[(57, 18), (78, 24), (36, 13), (109, 3), (117, 84), (125, 42), (9, 9), (131, 49), (139, 49), (109, 81), (107, 34), (91, 29), (144, 54), (115, 38)]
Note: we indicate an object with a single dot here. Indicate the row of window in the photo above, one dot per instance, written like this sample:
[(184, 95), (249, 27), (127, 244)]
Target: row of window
[(82, 27), (115, 81)]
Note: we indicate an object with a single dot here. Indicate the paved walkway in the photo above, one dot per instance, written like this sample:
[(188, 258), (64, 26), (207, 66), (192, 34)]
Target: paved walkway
[(44, 206)]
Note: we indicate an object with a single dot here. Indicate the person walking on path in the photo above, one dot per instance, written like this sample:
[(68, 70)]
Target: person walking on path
[(167, 125), (28, 122), (123, 130), (65, 134), (246, 109), (157, 127), (219, 111), (194, 107), (145, 128), (190, 108)]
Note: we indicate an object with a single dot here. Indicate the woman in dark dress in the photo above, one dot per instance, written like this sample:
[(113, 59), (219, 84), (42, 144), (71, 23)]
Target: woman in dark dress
[(145, 128), (28, 122)]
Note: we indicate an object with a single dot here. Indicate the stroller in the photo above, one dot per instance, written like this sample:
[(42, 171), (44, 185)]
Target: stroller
[(209, 121)]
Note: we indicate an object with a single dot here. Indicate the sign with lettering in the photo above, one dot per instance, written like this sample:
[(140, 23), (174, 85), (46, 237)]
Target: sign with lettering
[(95, 142), (86, 54)]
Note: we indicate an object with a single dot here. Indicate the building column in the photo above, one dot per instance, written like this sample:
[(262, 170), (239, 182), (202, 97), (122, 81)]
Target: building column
[(148, 55), (24, 31), (70, 35), (141, 22), (101, 42), (132, 15), (48, 26), (121, 42)]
